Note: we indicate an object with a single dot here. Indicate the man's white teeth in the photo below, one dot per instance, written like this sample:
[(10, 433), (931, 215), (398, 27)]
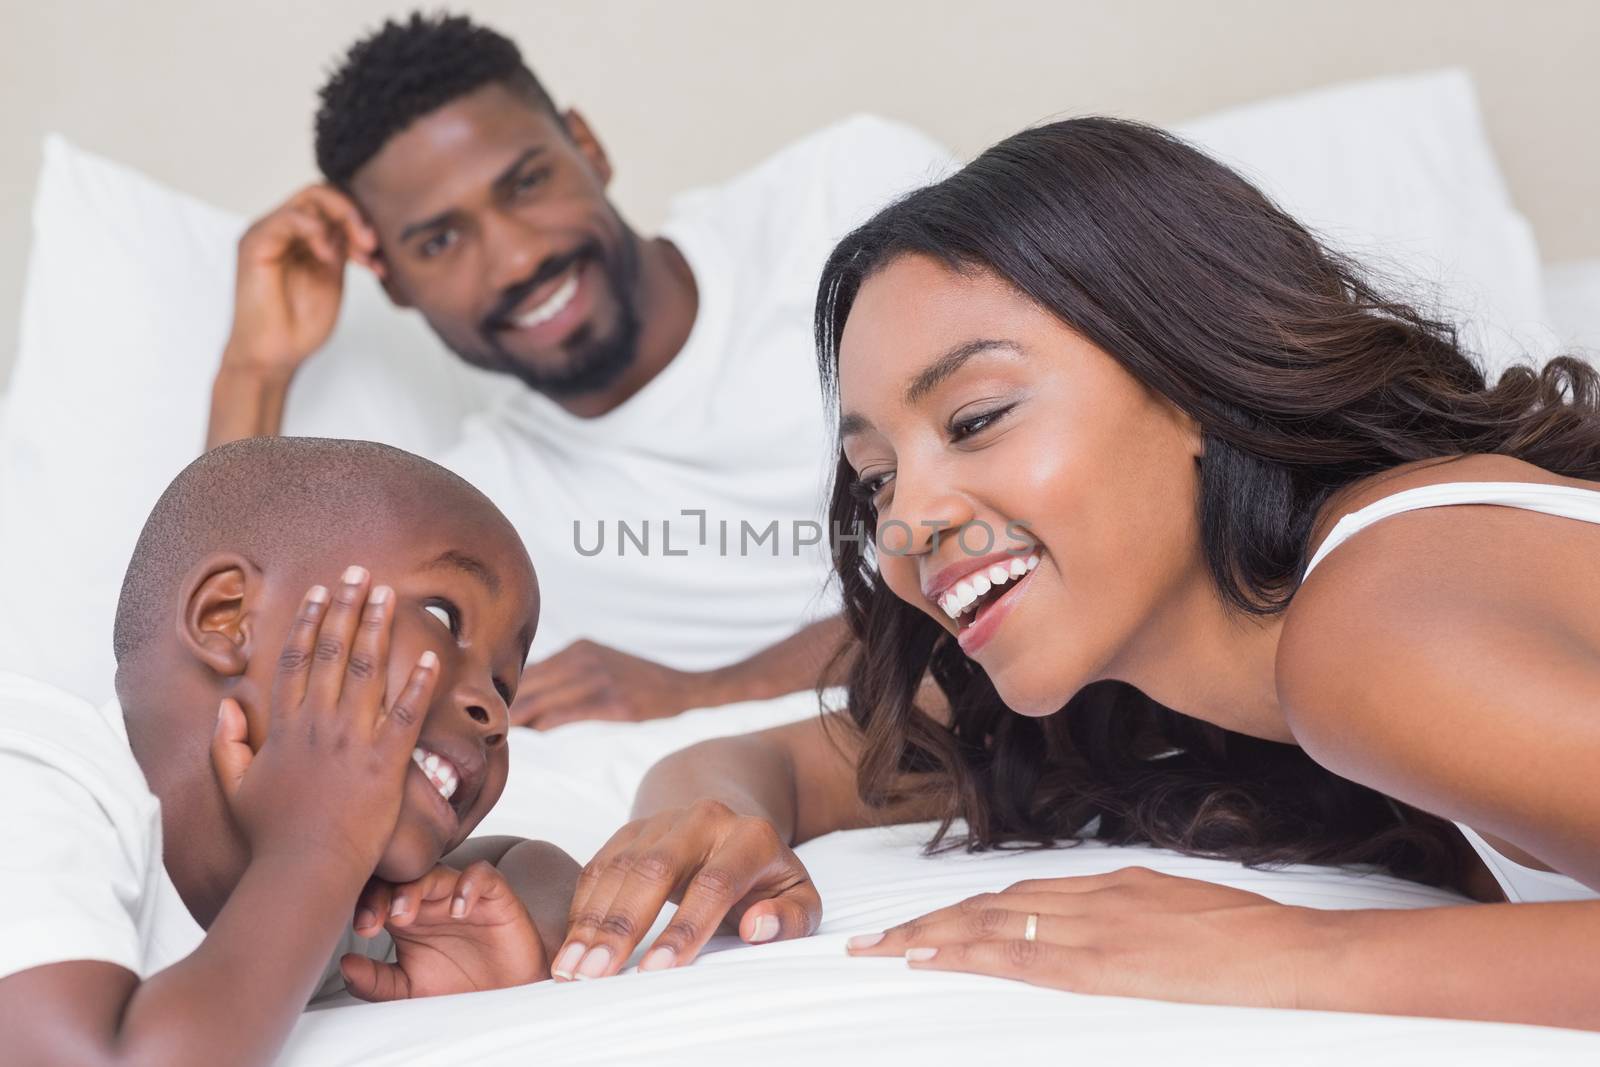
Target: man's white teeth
[(959, 598), (553, 305), (439, 771)]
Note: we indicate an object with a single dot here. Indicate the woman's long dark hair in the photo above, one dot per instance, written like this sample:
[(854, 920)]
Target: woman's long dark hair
[(1303, 378)]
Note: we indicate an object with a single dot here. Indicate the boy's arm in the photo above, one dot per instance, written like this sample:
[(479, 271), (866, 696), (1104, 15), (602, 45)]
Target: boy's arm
[(542, 875), (233, 1000)]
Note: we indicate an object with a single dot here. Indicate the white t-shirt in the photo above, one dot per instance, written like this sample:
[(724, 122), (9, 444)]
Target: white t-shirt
[(81, 872), (733, 430)]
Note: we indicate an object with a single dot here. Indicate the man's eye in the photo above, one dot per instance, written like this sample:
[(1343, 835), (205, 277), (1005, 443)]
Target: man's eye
[(532, 180), (437, 243), (445, 613)]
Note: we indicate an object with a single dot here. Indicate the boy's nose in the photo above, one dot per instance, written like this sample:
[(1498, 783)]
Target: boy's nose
[(490, 715)]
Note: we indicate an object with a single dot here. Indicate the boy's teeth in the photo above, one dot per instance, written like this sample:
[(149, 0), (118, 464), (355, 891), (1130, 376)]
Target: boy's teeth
[(439, 771)]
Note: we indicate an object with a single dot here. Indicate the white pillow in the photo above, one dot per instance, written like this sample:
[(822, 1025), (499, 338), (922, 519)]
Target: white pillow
[(126, 306), (1399, 173)]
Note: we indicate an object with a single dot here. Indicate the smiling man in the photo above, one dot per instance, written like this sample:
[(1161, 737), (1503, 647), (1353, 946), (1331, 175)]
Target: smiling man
[(662, 403)]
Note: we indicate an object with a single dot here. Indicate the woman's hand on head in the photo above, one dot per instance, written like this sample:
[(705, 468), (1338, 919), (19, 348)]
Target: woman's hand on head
[(718, 866)]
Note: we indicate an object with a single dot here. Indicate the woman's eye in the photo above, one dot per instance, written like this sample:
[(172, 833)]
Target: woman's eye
[(977, 423), (445, 614), (867, 487)]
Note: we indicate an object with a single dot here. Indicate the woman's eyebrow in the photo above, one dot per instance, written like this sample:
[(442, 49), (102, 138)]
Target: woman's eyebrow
[(928, 379)]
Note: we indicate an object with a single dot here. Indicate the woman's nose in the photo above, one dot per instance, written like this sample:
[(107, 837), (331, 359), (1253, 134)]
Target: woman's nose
[(925, 511)]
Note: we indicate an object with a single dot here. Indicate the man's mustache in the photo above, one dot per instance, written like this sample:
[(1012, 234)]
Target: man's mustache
[(499, 317)]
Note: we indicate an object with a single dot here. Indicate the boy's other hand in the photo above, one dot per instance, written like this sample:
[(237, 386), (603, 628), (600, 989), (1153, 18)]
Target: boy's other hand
[(329, 778), (454, 932), (290, 280)]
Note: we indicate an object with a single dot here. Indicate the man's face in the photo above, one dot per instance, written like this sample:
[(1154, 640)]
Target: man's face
[(493, 222)]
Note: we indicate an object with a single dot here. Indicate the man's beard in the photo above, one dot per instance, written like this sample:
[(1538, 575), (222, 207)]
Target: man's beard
[(593, 362)]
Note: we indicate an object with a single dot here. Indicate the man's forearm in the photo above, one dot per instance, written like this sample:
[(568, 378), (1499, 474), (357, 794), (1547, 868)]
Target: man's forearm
[(245, 402), (797, 662), (1527, 963)]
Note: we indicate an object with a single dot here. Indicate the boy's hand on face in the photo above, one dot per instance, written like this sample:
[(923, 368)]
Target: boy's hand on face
[(454, 932), (290, 280), (326, 785)]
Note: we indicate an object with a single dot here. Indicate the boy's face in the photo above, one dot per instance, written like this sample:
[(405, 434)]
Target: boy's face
[(468, 594)]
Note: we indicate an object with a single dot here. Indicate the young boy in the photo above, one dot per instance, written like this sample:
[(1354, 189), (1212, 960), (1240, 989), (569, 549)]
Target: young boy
[(295, 742)]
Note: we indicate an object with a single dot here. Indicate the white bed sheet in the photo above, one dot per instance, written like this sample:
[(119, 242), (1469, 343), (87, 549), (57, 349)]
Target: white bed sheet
[(806, 1003)]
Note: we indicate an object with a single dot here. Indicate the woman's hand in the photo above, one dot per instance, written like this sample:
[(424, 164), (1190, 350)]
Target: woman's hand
[(454, 932), (715, 864), (1132, 933)]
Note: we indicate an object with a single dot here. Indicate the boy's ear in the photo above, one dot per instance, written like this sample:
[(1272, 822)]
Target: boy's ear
[(215, 620), (588, 145)]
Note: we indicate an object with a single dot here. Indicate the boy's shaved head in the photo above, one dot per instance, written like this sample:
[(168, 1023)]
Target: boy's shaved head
[(271, 499)]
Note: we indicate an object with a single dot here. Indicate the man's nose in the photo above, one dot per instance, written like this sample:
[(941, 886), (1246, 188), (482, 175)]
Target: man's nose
[(512, 250)]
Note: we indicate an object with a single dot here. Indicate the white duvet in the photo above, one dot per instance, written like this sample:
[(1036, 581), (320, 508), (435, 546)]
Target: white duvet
[(807, 1003)]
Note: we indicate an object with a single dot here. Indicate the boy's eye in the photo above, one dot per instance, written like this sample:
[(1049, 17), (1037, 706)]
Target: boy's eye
[(532, 179), (445, 613)]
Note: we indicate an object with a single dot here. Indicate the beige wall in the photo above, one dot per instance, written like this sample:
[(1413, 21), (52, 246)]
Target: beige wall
[(214, 96)]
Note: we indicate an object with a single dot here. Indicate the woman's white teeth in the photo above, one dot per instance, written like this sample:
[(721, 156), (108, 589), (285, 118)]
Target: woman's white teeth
[(440, 771), (958, 600), (553, 305)]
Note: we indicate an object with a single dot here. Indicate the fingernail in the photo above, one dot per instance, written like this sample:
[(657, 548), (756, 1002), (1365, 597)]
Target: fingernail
[(317, 594), (396, 906), (365, 917), (595, 963), (765, 929), (458, 907), (380, 595), (918, 955), (568, 959), (354, 575), (658, 959), (861, 941), (428, 660)]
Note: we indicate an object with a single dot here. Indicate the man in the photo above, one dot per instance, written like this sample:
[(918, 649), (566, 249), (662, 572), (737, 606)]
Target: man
[(666, 414)]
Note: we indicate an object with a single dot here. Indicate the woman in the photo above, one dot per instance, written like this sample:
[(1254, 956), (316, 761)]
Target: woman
[(1300, 587)]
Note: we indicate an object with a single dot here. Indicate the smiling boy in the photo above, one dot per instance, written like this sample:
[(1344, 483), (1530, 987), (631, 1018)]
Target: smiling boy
[(296, 741)]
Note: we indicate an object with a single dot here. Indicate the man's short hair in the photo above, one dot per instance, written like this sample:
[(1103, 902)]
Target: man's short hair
[(406, 70), (269, 499)]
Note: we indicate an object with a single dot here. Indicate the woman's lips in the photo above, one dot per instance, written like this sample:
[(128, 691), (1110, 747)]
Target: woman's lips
[(990, 616)]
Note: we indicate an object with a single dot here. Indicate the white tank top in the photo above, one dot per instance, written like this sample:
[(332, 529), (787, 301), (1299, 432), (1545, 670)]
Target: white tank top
[(1519, 883)]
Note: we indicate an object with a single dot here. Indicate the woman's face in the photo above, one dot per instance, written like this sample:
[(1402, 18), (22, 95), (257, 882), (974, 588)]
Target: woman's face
[(967, 412)]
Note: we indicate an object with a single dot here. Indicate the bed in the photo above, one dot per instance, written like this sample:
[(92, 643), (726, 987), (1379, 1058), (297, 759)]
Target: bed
[(104, 407)]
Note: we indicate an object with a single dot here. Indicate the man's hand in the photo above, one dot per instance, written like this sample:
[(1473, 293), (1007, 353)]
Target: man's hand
[(586, 680), (454, 932), (290, 280)]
